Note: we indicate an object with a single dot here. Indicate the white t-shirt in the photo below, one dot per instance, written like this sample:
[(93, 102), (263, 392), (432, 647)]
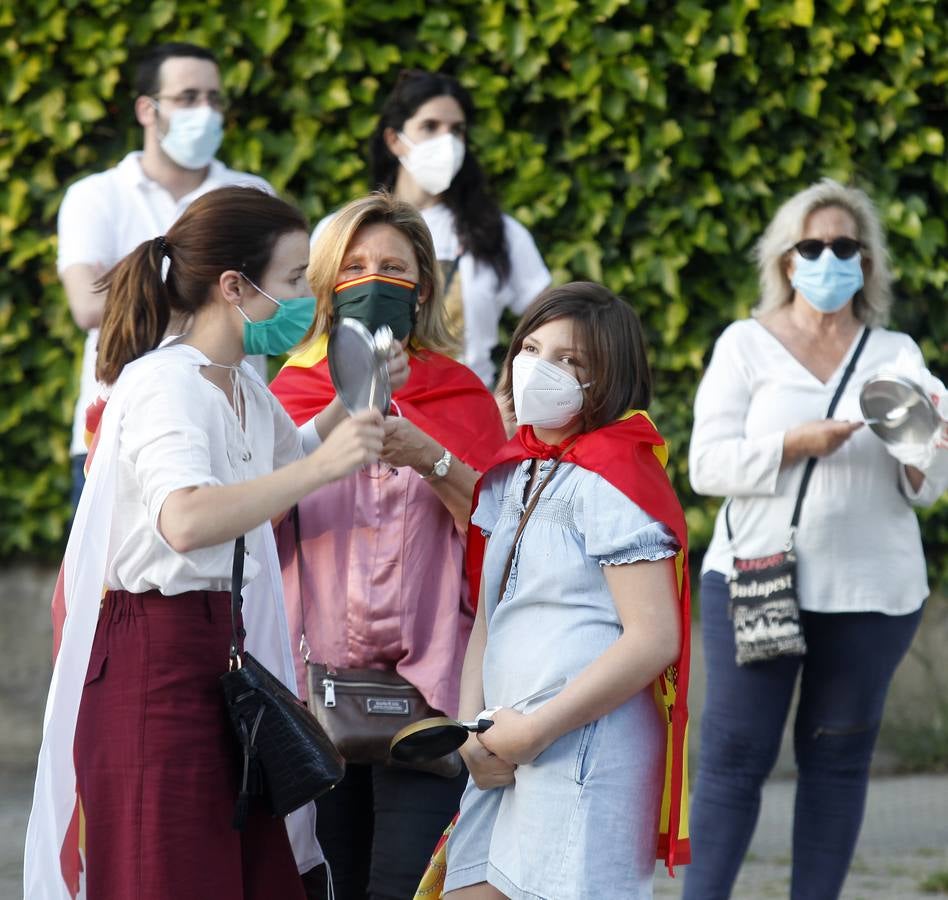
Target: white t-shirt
[(484, 300), (858, 542), (182, 432), (103, 217)]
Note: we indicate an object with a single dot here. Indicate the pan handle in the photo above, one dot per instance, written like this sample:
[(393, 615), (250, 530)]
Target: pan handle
[(478, 726)]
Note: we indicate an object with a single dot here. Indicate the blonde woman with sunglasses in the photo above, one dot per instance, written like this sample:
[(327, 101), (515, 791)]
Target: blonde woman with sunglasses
[(760, 413)]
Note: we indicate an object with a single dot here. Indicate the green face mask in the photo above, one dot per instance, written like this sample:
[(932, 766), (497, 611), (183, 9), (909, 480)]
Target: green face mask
[(377, 300), (283, 330)]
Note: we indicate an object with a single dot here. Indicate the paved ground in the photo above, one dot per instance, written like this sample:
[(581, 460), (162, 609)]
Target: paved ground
[(16, 790), (904, 839)]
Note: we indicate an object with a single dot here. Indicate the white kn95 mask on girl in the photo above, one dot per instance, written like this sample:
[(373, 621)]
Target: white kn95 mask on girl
[(543, 393)]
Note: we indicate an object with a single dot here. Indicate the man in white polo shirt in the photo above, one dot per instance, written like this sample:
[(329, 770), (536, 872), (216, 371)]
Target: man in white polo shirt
[(103, 217)]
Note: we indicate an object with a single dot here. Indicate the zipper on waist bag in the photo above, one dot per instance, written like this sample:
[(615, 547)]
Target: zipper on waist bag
[(330, 686)]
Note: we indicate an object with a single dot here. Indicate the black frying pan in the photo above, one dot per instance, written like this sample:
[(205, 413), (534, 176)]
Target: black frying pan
[(429, 739)]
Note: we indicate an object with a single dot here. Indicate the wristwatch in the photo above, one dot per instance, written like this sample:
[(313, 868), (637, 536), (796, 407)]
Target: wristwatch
[(440, 468)]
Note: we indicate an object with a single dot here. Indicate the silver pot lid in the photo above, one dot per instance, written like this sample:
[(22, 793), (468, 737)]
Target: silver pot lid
[(358, 365), (898, 410)]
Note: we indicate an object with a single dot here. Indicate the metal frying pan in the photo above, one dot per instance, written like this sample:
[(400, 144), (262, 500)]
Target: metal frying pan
[(429, 739), (898, 410), (358, 365)]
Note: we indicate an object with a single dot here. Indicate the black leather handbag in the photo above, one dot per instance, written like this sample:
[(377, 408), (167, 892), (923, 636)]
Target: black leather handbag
[(287, 757)]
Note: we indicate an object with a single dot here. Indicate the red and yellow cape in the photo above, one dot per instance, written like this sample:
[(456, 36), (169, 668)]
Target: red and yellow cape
[(443, 398)]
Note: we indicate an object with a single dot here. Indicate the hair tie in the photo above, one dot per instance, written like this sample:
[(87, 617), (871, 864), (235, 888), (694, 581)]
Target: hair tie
[(165, 253)]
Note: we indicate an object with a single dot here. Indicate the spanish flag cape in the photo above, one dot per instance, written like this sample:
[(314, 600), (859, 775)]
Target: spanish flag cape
[(58, 606), (444, 398), (631, 455)]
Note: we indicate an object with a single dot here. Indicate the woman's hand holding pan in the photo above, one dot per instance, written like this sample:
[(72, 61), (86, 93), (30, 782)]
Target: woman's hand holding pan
[(354, 442), (820, 437)]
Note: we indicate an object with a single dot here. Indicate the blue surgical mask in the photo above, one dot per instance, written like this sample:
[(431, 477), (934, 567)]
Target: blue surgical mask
[(283, 330), (827, 283), (193, 136)]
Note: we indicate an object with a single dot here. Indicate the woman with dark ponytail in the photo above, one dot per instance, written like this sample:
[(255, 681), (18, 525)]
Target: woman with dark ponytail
[(137, 775), (421, 153), (137, 323)]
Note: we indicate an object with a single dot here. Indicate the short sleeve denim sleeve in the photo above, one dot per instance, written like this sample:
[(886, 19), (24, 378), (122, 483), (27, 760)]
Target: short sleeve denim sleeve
[(491, 499), (616, 530)]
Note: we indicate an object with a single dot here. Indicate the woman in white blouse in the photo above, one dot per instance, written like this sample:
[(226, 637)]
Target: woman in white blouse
[(759, 414), (137, 776)]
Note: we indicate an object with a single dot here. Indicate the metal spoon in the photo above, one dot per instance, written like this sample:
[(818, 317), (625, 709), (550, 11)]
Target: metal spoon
[(383, 341), (894, 417)]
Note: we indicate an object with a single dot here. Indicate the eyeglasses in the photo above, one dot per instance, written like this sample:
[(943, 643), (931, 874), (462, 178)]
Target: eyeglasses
[(190, 98), (842, 247)]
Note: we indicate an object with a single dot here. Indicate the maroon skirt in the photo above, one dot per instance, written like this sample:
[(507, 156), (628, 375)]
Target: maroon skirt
[(157, 762)]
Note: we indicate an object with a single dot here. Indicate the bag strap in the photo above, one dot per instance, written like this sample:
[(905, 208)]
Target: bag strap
[(237, 633), (531, 505), (811, 462), (304, 644), (449, 275)]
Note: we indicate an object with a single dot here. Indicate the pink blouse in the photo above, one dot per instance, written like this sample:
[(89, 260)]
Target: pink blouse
[(382, 582)]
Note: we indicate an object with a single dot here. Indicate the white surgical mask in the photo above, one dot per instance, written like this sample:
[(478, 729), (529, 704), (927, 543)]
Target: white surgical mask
[(544, 394), (194, 134), (435, 162)]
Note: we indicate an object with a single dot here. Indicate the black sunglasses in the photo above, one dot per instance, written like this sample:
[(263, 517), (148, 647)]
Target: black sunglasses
[(842, 247)]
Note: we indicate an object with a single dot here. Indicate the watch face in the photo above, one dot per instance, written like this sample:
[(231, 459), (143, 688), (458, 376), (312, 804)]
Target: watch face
[(441, 468)]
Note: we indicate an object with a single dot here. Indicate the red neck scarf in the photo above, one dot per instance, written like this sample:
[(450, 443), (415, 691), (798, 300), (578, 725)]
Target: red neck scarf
[(630, 454)]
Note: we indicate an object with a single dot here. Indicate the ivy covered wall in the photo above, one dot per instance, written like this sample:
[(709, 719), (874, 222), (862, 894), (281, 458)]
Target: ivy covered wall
[(645, 143)]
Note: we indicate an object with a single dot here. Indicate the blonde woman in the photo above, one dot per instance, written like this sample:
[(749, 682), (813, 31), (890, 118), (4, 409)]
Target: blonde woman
[(383, 554), (759, 415)]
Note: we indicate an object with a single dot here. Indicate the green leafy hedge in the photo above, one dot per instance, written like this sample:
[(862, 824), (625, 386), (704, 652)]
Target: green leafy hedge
[(645, 144)]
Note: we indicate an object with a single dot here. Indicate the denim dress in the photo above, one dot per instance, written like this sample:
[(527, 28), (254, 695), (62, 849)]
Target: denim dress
[(581, 820)]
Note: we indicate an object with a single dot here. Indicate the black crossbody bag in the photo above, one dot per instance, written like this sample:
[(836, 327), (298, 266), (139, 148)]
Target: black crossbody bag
[(286, 756), (764, 608)]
